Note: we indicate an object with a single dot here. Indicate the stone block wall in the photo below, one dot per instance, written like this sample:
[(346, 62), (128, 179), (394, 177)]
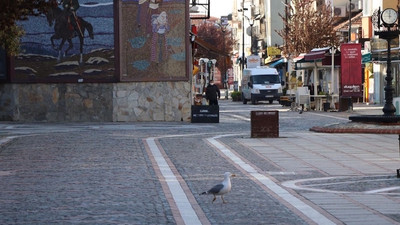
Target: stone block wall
[(152, 101), (94, 102)]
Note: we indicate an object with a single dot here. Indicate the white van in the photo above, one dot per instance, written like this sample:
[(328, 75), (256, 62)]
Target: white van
[(261, 84)]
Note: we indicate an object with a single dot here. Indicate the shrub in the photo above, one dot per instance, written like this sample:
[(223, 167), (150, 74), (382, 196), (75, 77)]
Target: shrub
[(236, 96)]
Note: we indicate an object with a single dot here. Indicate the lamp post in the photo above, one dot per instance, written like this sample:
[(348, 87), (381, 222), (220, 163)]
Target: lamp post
[(349, 21), (389, 19), (251, 23), (242, 11), (223, 24)]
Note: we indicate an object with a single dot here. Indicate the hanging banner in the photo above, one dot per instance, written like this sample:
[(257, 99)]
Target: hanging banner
[(351, 76)]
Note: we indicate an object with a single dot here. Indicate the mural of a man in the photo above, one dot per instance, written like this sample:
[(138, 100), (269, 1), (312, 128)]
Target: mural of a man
[(70, 7)]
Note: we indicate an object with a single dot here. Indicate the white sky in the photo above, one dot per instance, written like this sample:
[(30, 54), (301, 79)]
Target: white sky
[(220, 8)]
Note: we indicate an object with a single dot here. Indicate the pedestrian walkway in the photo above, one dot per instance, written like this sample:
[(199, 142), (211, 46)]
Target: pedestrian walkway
[(153, 173), (350, 178)]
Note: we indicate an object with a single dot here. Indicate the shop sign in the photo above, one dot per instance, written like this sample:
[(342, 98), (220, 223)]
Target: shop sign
[(253, 61), (273, 51), (351, 75)]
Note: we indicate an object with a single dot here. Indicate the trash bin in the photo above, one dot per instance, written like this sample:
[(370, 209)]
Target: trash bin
[(265, 124), (345, 104)]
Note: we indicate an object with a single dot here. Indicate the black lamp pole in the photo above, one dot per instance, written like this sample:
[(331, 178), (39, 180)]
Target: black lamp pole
[(242, 10), (350, 22), (388, 108), (242, 39), (391, 33)]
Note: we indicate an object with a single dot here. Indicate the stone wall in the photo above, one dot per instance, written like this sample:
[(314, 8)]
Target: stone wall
[(152, 101), (105, 102)]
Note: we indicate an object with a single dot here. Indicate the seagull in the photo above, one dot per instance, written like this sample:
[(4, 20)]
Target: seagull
[(221, 188)]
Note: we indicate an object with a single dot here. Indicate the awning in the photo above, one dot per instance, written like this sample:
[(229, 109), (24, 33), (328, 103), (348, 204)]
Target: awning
[(298, 58), (316, 54), (276, 63)]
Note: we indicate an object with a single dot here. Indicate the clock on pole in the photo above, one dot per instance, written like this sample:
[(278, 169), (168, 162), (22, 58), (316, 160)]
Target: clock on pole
[(389, 16)]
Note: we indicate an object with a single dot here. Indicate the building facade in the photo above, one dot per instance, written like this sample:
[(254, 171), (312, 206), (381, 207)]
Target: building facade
[(119, 60)]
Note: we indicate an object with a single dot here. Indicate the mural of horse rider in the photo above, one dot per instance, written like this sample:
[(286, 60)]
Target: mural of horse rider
[(70, 7), (64, 30)]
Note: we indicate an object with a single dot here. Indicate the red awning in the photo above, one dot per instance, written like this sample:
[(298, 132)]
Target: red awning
[(298, 58), (315, 55)]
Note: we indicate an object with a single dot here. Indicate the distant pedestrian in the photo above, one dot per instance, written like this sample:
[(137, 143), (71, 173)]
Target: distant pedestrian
[(211, 94)]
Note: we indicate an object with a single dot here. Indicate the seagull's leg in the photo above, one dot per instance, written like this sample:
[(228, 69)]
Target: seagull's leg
[(223, 200), (215, 197)]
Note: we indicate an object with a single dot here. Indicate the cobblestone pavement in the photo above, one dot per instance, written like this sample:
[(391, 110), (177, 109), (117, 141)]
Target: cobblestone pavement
[(153, 173)]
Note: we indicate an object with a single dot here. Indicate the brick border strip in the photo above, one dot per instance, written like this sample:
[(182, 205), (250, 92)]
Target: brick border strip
[(355, 130)]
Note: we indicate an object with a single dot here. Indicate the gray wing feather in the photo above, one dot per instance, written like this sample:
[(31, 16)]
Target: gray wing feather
[(216, 189)]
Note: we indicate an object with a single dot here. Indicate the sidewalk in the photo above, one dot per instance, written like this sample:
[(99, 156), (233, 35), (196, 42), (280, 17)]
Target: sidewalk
[(351, 177), (360, 109), (153, 173)]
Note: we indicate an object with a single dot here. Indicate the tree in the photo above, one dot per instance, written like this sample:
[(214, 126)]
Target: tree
[(307, 28), (12, 11), (220, 39)]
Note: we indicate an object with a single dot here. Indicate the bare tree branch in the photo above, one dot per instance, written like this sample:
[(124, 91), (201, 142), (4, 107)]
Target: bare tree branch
[(307, 28)]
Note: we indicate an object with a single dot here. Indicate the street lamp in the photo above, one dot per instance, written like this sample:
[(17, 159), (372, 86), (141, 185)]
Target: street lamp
[(349, 22), (223, 24), (251, 23), (389, 19), (242, 11)]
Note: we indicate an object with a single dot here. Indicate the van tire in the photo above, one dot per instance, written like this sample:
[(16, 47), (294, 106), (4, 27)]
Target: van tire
[(271, 101), (244, 99)]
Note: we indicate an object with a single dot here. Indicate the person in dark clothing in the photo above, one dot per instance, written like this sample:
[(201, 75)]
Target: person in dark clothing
[(70, 8), (211, 94)]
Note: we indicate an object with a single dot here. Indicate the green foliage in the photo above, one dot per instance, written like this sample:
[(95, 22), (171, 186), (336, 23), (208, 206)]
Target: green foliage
[(11, 39), (236, 95), (12, 11)]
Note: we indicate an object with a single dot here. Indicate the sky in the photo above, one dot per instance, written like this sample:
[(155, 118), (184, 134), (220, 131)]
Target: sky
[(220, 7)]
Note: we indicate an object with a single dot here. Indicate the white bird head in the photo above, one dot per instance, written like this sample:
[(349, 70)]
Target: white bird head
[(228, 174)]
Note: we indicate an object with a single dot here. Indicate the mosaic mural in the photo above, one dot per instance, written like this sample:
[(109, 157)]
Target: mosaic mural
[(73, 42), (153, 40)]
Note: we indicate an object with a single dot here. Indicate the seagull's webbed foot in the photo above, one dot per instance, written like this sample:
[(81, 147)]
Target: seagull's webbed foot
[(223, 200), (215, 197)]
